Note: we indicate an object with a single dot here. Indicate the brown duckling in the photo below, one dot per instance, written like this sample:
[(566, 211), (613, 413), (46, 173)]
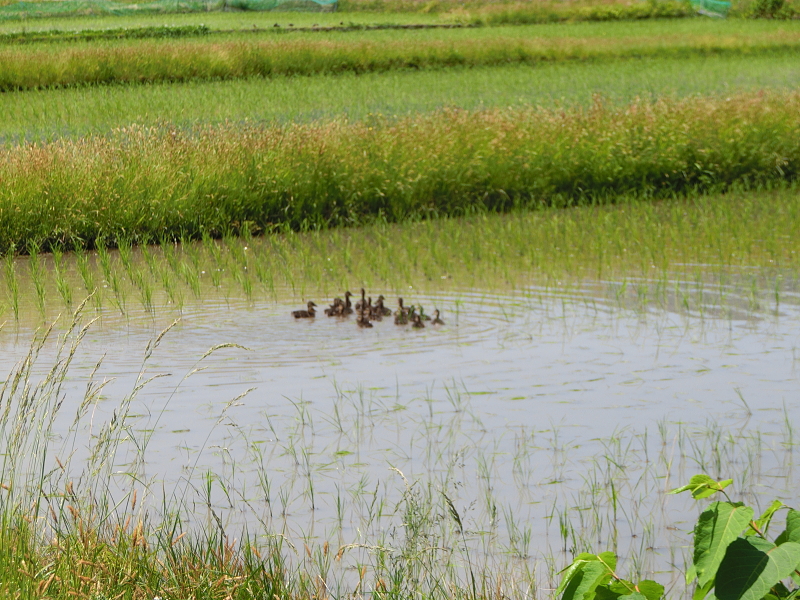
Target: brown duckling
[(401, 309), (400, 318), (335, 309), (436, 320), (363, 302), (305, 314), (381, 309), (363, 319), (347, 309), (417, 322)]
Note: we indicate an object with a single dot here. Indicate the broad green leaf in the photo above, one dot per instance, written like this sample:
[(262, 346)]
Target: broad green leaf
[(792, 532), (752, 566), (701, 591), (622, 587), (651, 590), (765, 519), (604, 592), (691, 573), (633, 596), (585, 573), (703, 486), (718, 526)]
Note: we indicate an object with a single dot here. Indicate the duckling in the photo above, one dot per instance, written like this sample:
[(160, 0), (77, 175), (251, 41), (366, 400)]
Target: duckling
[(400, 318), (305, 314), (401, 309), (363, 302), (436, 320), (417, 323), (381, 309), (363, 320), (347, 309), (335, 309)]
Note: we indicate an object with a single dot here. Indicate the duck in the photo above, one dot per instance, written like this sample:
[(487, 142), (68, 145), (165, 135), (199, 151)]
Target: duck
[(380, 309), (305, 314), (335, 309), (401, 309), (417, 322), (347, 309), (363, 302), (363, 320), (436, 320)]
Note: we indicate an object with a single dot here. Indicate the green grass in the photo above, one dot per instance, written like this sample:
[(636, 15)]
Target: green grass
[(49, 114), (236, 56), (144, 183)]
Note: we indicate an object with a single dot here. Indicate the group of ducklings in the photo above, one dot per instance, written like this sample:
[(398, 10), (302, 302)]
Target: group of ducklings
[(366, 311)]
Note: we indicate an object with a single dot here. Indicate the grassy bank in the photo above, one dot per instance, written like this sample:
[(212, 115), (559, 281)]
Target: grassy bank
[(104, 62), (147, 183)]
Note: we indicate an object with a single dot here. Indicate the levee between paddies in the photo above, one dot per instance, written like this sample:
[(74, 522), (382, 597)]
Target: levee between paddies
[(146, 61), (144, 184)]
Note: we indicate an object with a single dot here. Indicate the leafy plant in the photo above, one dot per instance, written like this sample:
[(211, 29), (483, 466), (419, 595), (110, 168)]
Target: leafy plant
[(732, 556)]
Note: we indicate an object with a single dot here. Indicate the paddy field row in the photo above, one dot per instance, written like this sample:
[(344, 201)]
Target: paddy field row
[(234, 56)]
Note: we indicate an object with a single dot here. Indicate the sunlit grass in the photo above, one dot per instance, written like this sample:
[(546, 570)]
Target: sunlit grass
[(142, 184), (229, 57)]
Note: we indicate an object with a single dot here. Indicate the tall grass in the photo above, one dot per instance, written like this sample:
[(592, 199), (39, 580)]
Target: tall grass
[(145, 61), (145, 183)]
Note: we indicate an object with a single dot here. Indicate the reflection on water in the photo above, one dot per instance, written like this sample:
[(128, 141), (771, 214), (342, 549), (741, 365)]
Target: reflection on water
[(522, 408)]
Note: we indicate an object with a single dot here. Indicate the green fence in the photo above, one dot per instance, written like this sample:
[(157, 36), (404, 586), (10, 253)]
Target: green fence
[(712, 8), (63, 8)]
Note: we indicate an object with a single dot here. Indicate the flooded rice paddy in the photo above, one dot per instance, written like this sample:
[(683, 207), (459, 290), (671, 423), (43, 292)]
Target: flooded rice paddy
[(555, 418)]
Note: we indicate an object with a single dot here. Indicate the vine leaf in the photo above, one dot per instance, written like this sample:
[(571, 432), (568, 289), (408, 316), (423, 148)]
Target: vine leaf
[(763, 522), (585, 573), (753, 566), (792, 533), (703, 486), (718, 526)]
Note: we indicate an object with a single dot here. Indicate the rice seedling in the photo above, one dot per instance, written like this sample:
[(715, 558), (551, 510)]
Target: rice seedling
[(37, 277), (12, 283), (62, 283)]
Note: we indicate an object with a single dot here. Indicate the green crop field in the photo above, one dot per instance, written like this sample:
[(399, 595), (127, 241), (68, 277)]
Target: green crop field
[(153, 166)]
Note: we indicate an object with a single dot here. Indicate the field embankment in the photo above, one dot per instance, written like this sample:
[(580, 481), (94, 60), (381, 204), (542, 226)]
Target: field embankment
[(146, 183), (145, 61)]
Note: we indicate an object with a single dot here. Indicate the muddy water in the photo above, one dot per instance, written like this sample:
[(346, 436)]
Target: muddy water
[(522, 407)]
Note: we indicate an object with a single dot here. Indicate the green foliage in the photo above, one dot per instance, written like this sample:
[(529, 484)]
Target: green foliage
[(732, 556), (119, 33), (771, 9), (145, 183), (236, 55)]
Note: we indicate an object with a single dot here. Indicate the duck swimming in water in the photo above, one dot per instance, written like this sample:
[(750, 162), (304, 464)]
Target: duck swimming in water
[(335, 309), (305, 314), (417, 322), (436, 320), (363, 320), (380, 309), (363, 302), (347, 309)]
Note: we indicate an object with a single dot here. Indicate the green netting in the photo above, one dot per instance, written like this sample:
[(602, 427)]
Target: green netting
[(712, 8), (59, 8)]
